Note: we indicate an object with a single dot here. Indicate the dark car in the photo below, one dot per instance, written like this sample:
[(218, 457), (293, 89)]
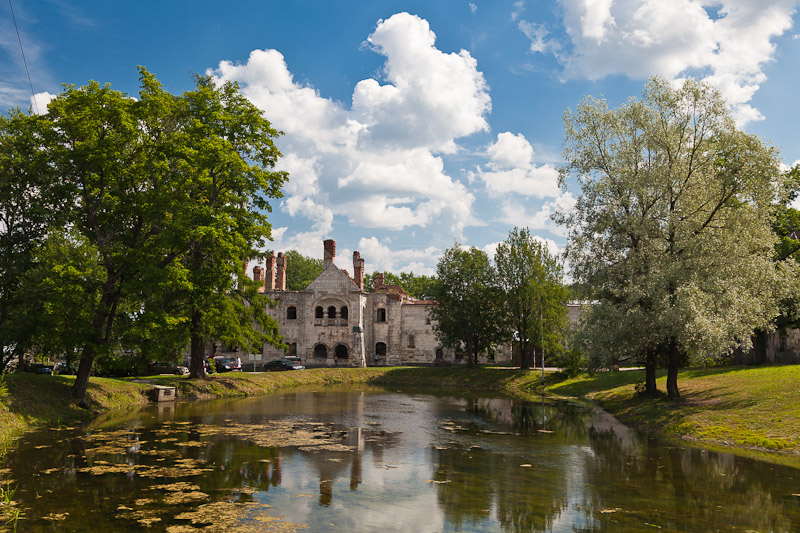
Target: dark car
[(282, 364), (167, 368), (227, 364), (39, 368)]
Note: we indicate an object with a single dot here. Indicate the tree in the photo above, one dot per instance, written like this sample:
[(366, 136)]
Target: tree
[(671, 233), (534, 294), (122, 161), (469, 311), (28, 206), (229, 154), (301, 270), (415, 286)]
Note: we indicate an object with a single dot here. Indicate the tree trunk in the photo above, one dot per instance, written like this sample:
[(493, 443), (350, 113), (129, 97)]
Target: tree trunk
[(672, 370), (650, 360), (524, 356), (197, 347), (82, 377), (102, 324)]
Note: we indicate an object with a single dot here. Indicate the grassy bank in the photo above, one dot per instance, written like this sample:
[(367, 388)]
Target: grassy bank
[(746, 408), (755, 409)]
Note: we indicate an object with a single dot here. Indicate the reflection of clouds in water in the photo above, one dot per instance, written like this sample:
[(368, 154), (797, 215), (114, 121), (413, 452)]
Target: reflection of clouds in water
[(387, 499)]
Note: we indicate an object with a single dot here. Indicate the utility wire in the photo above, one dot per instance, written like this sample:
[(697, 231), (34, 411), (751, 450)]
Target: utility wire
[(24, 62)]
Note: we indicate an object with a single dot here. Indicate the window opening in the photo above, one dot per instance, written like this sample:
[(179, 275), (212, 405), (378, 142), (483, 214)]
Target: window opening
[(291, 313)]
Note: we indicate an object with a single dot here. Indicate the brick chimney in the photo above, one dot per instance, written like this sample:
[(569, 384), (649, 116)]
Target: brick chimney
[(280, 278), (269, 275), (258, 275), (329, 253), (378, 281), (358, 270)]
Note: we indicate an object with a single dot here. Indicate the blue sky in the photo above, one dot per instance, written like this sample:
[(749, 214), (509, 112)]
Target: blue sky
[(412, 125)]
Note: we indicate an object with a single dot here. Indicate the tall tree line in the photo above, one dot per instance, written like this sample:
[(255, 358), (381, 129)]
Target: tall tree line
[(137, 214)]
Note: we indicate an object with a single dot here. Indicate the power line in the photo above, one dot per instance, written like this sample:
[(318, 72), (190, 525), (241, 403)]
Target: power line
[(24, 62)]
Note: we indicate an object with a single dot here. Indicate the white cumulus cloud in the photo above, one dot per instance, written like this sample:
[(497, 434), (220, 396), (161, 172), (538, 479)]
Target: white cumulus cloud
[(726, 42), (378, 163), (511, 169)]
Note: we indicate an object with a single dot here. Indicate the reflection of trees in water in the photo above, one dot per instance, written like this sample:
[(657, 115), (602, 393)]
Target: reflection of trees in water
[(567, 419), (695, 488), (470, 483)]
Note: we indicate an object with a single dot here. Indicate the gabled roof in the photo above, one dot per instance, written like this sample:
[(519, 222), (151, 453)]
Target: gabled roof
[(332, 279)]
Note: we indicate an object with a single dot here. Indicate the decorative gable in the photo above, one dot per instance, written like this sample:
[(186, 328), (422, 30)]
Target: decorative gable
[(332, 279)]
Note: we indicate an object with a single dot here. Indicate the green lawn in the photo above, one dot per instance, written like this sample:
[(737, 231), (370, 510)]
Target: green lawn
[(756, 408)]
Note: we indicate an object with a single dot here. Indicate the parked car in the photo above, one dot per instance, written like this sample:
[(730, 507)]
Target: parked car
[(64, 369), (167, 368), (228, 364), (39, 368), (282, 364)]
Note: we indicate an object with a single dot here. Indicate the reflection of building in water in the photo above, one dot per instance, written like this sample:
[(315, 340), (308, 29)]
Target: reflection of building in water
[(335, 322)]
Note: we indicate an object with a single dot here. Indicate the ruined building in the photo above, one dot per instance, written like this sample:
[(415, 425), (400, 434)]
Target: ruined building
[(334, 322)]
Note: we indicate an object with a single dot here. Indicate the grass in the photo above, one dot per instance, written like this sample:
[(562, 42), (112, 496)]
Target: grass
[(747, 408), (752, 410)]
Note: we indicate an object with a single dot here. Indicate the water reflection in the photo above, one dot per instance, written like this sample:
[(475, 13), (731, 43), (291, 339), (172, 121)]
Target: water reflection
[(364, 460)]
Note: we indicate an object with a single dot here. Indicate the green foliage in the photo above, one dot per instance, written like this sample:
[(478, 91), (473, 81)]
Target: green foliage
[(672, 231), (133, 219), (470, 306), (415, 286), (28, 196), (301, 270), (535, 296)]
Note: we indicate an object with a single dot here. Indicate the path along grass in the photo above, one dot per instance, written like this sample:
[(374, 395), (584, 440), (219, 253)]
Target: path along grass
[(749, 409)]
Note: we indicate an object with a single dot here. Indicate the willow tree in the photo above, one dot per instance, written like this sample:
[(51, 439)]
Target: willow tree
[(671, 232)]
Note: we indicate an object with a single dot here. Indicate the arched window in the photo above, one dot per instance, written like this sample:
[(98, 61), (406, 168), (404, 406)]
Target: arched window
[(320, 350), (439, 354), (411, 341), (343, 311), (380, 349), (332, 311), (381, 316), (291, 313), (318, 312), (341, 352), (293, 349)]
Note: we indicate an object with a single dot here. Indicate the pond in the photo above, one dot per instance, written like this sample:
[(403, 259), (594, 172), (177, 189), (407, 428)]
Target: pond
[(376, 460)]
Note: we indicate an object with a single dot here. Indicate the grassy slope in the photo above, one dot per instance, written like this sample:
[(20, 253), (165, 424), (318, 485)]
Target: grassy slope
[(756, 408)]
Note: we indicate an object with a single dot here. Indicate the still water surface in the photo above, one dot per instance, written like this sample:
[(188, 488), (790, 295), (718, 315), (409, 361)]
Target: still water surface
[(372, 460)]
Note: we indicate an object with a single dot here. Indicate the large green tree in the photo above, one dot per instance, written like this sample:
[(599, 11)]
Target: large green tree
[(228, 159), (672, 230), (28, 201), (469, 313), (123, 165), (535, 296)]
